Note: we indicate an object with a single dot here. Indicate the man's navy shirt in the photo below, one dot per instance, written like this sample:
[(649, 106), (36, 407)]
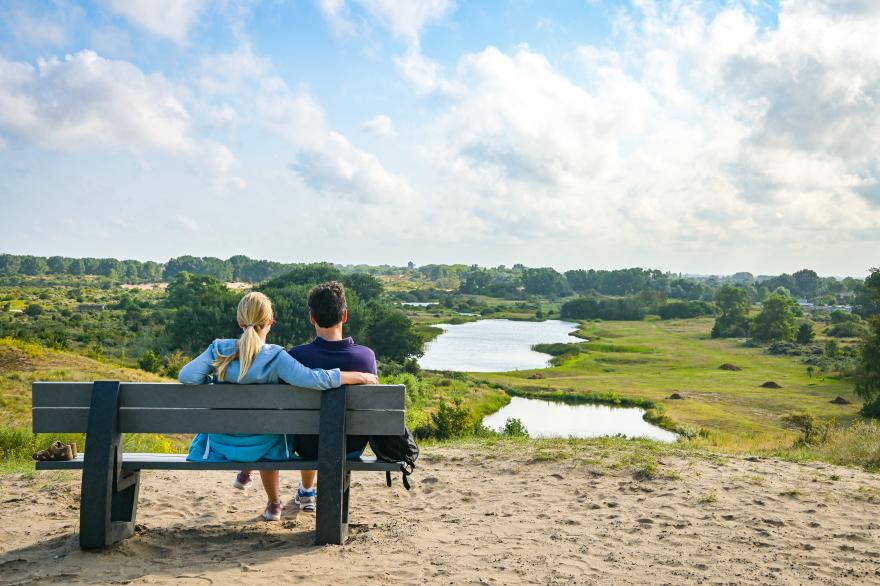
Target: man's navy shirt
[(341, 354)]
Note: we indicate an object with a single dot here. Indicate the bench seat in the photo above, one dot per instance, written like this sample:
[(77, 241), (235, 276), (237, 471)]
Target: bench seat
[(139, 461)]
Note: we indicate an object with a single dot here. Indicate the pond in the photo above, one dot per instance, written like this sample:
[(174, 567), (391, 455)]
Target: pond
[(494, 345), (557, 419)]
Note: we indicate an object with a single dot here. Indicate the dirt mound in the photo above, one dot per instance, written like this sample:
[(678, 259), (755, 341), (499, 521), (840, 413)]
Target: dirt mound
[(729, 366), (838, 400), (771, 385), (675, 397), (536, 376)]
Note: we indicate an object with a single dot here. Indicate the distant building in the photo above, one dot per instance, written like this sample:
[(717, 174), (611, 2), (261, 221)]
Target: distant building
[(94, 307)]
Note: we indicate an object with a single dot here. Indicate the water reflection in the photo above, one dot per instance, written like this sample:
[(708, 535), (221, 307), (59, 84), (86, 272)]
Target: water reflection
[(494, 345), (556, 419)]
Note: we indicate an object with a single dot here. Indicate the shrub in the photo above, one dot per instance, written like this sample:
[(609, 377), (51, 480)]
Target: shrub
[(33, 309), (686, 309), (814, 431), (173, 363), (150, 362), (455, 420), (514, 427), (847, 329), (805, 334)]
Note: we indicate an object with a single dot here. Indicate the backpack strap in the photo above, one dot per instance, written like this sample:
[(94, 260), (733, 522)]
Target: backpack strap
[(405, 469)]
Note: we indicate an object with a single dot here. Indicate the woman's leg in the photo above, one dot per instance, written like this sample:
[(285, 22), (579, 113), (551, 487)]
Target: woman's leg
[(271, 484), (308, 478)]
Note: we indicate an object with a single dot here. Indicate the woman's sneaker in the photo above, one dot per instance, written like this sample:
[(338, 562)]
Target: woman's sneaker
[(306, 499), (242, 480), (272, 512)]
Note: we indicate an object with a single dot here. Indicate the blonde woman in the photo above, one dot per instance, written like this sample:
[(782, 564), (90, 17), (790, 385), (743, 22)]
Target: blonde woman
[(250, 360)]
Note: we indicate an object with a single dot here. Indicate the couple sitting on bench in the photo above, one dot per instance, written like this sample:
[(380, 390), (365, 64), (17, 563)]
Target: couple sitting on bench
[(328, 361)]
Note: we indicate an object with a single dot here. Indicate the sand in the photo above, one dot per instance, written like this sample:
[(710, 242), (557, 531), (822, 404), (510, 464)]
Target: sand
[(474, 516)]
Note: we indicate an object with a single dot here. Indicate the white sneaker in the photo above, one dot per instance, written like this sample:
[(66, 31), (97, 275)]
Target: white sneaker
[(306, 499)]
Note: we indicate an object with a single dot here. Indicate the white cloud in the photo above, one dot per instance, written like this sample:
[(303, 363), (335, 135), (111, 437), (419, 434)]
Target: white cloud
[(230, 73), (186, 223), (171, 19), (696, 133), (404, 20), (87, 102), (35, 30), (380, 125), (325, 159), (338, 16)]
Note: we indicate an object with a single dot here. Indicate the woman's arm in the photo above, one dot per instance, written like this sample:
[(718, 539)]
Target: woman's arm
[(199, 370)]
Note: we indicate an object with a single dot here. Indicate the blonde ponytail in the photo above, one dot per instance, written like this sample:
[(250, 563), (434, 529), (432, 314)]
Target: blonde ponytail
[(254, 313)]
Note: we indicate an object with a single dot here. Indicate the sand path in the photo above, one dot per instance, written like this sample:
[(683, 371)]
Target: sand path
[(487, 516)]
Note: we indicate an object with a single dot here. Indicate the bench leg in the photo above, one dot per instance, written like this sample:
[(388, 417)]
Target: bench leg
[(345, 492), (108, 499), (331, 524)]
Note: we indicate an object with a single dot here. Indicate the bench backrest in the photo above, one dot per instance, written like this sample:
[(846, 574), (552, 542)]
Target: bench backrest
[(61, 407)]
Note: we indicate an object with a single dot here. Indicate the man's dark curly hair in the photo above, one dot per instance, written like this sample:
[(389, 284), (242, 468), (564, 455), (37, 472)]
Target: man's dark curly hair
[(327, 302)]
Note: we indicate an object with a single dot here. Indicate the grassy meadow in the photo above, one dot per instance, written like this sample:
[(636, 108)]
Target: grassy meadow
[(722, 409), (641, 363)]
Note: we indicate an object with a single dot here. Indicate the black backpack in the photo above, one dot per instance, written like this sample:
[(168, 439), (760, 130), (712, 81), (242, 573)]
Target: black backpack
[(397, 448)]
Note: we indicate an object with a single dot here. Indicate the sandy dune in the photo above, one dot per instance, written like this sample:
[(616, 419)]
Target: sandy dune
[(475, 519)]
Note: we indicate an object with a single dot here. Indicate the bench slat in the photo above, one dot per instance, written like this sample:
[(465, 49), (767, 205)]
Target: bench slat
[(132, 420), (137, 461), (159, 395)]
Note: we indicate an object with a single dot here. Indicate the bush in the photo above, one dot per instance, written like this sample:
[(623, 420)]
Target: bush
[(814, 431), (686, 309), (514, 427), (627, 308), (173, 363), (451, 421), (805, 334), (150, 362), (846, 329), (33, 309)]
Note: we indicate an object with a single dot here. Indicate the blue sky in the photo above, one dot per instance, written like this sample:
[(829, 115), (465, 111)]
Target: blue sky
[(684, 135)]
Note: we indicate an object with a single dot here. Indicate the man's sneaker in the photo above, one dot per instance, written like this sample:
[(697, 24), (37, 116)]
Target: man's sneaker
[(242, 480), (306, 499), (272, 512)]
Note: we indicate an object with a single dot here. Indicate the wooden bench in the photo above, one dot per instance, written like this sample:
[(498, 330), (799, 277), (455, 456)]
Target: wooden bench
[(105, 410)]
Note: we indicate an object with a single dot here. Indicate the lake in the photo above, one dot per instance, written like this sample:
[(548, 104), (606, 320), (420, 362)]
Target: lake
[(557, 419), (494, 345)]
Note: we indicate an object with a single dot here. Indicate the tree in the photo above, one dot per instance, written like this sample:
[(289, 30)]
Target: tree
[(76, 267), (392, 337), (9, 264), (545, 281), (204, 310), (806, 283), (805, 334), (57, 265), (776, 320), (733, 312), (33, 310), (867, 302), (868, 371), (34, 265), (367, 287)]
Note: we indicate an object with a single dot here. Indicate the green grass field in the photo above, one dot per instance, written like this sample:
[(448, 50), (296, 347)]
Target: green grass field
[(653, 359)]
